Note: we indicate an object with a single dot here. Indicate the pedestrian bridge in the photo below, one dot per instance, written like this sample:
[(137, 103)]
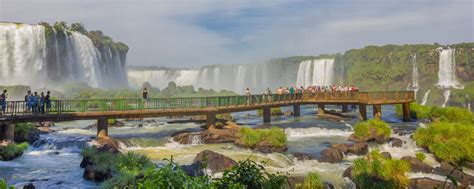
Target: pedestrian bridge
[(103, 109)]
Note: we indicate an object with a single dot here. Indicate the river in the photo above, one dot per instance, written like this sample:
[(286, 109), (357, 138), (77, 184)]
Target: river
[(53, 161)]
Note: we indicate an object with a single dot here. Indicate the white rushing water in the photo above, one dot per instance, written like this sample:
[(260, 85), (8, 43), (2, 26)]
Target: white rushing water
[(425, 97), (257, 77), (447, 73), (28, 57), (316, 72), (414, 75)]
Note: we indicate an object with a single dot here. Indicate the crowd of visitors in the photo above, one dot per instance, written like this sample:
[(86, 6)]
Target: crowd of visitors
[(34, 103)]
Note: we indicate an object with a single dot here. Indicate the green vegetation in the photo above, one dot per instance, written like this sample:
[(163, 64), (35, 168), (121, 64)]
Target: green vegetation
[(12, 151), (420, 156), (366, 129), (276, 137), (4, 185), (447, 141), (448, 114), (375, 171), (312, 181), (22, 130), (133, 170)]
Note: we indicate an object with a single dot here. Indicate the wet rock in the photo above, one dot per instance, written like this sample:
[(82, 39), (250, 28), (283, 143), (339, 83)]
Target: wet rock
[(266, 147), (288, 113), (463, 178), (293, 181), (29, 186), (210, 136), (193, 170), (91, 173), (396, 142), (328, 185), (470, 165), (417, 165), (360, 148), (301, 156), (386, 155), (231, 125), (140, 125), (428, 183), (114, 124), (347, 173), (45, 124), (331, 155), (45, 130), (215, 161), (373, 137), (53, 153)]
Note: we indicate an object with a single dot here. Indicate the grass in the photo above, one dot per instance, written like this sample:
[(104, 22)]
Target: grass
[(273, 111), (276, 137), (4, 185), (12, 150), (365, 129), (312, 181), (448, 114), (377, 172), (111, 121), (420, 156), (450, 142)]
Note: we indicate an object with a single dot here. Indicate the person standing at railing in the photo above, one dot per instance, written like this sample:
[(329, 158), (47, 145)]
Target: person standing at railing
[(145, 97), (42, 103), (249, 96), (27, 102), (292, 93), (3, 101), (47, 100), (34, 102), (269, 95)]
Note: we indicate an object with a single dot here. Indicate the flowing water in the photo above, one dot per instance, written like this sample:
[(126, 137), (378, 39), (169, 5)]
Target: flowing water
[(447, 73), (425, 97), (414, 75), (53, 161)]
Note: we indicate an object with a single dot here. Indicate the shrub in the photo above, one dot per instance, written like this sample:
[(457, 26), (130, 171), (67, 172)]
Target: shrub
[(111, 121), (274, 136), (365, 129), (273, 111), (105, 162), (449, 114), (447, 141), (22, 130), (312, 181), (133, 163), (12, 151), (4, 185), (251, 175), (375, 171), (420, 156)]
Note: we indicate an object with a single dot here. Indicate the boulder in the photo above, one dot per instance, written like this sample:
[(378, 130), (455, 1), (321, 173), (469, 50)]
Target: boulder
[(215, 161), (91, 173), (463, 178), (44, 124), (193, 170), (386, 155), (360, 148), (373, 137), (347, 173), (470, 165), (29, 186), (210, 136), (396, 142), (293, 181), (428, 183), (331, 155), (417, 165), (301, 156), (45, 130)]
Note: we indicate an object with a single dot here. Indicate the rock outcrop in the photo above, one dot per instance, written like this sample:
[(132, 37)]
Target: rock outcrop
[(214, 161), (331, 155)]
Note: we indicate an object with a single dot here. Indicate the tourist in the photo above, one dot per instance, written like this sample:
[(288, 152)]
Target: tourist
[(47, 100), (3, 101), (27, 102), (145, 97), (248, 94), (34, 102), (269, 95), (41, 103)]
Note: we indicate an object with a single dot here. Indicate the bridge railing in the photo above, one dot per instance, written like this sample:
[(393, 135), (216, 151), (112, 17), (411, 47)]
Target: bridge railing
[(68, 106)]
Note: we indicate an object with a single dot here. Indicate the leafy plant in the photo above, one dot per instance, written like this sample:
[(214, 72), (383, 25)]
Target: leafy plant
[(276, 137), (375, 171), (312, 181), (4, 185), (421, 156), (12, 150), (22, 130), (365, 129)]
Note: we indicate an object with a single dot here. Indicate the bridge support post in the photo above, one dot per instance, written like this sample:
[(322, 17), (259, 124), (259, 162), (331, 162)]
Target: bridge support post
[(321, 110), (345, 108), (267, 114), (7, 132), (296, 110), (406, 112), (102, 127), (210, 119), (377, 111), (362, 112)]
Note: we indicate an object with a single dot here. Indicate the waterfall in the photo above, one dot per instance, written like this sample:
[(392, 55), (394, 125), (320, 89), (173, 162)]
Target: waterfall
[(29, 57), (414, 75), (425, 97), (196, 140), (447, 73), (315, 72)]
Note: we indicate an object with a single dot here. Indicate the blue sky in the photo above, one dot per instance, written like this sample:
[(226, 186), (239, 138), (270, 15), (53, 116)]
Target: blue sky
[(191, 33)]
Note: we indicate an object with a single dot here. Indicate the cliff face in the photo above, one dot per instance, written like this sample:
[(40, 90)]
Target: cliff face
[(46, 56)]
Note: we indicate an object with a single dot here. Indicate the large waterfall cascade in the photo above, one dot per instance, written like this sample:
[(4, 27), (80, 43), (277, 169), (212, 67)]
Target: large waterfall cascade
[(316, 72), (257, 77), (447, 73), (28, 57)]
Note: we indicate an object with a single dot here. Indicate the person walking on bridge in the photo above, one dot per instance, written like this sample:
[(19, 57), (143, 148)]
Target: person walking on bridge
[(27, 102), (247, 93), (269, 95), (3, 102), (145, 97)]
